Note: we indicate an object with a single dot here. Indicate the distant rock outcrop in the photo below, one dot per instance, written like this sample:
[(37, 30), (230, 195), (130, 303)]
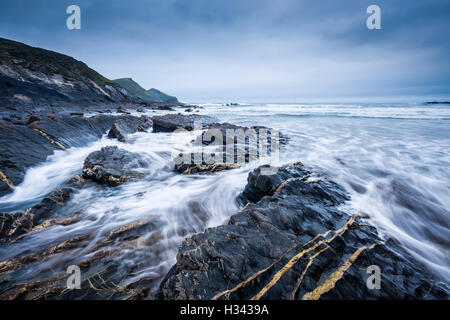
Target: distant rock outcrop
[(161, 96), (437, 102), (151, 95)]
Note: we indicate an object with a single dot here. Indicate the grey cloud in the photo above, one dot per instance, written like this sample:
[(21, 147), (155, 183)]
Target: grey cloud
[(250, 49)]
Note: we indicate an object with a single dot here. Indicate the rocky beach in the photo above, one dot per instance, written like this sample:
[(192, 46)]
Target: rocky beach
[(88, 178)]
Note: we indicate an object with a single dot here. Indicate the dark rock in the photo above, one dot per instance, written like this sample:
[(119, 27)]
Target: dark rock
[(238, 144), (188, 110), (196, 163), (13, 117), (14, 225), (121, 110), (167, 106), (438, 102), (32, 119), (128, 125), (112, 166), (295, 243), (50, 203), (102, 265), (172, 122), (5, 187), (22, 147), (72, 131), (222, 128), (76, 182), (196, 168), (260, 185), (208, 136)]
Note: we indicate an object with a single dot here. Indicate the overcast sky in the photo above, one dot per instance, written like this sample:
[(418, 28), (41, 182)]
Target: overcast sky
[(251, 50)]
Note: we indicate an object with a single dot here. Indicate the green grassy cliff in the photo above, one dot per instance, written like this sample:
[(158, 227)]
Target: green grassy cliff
[(152, 95)]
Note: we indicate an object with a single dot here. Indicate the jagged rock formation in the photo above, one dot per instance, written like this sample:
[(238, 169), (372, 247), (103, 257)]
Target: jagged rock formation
[(27, 142), (190, 168), (101, 267), (172, 122), (13, 226), (237, 145), (260, 184), (254, 132), (77, 181), (126, 125), (113, 166), (101, 261), (294, 243)]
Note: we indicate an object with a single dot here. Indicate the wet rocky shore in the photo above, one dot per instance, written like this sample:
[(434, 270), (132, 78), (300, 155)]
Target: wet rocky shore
[(28, 136), (289, 240)]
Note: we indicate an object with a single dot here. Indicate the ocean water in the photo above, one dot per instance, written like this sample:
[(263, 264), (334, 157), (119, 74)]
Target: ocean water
[(393, 159)]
